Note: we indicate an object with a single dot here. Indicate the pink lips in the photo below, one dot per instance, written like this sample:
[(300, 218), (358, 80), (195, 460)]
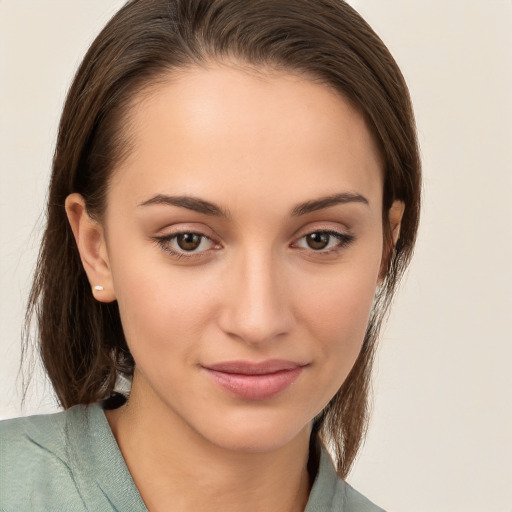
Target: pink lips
[(255, 381)]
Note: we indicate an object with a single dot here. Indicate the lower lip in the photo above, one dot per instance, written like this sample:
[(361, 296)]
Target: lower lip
[(255, 387)]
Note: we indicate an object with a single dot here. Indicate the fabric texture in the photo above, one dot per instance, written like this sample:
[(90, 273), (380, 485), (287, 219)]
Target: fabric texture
[(70, 462)]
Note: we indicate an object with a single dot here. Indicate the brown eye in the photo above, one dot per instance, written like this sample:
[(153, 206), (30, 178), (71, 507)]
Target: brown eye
[(318, 241), (186, 244), (324, 242), (188, 241)]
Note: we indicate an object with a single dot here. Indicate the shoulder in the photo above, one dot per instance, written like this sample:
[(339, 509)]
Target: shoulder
[(32, 433), (332, 494), (354, 501), (34, 462), (64, 462)]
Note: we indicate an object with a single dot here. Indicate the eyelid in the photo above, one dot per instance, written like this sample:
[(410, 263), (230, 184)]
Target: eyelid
[(164, 240), (344, 240), (179, 228)]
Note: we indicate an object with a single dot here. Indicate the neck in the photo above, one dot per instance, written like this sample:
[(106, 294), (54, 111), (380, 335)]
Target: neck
[(176, 468)]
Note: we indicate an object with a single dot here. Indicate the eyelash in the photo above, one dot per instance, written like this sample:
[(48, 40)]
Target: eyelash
[(344, 240), (164, 243)]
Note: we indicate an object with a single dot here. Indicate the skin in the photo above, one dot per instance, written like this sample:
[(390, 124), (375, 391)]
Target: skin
[(256, 144)]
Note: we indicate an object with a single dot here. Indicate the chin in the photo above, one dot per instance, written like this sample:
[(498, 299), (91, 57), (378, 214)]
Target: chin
[(257, 433)]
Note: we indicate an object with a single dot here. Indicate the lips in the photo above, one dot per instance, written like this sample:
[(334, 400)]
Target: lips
[(255, 381)]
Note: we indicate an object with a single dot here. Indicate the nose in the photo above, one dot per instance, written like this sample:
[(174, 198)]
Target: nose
[(257, 306)]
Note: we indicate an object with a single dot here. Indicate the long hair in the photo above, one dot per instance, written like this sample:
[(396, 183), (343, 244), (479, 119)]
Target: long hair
[(81, 341)]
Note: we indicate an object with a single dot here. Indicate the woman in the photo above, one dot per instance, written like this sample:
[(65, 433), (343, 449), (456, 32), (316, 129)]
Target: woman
[(234, 197)]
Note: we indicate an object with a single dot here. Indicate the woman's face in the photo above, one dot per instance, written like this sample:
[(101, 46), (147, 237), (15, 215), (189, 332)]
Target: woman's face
[(244, 239)]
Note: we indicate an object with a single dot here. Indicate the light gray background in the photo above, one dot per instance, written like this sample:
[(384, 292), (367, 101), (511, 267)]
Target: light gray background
[(441, 435)]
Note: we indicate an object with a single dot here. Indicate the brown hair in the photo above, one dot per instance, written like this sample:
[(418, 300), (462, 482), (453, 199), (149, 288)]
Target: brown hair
[(82, 344)]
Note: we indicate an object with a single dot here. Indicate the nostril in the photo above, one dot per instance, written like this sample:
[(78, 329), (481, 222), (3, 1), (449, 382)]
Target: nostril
[(256, 304), (256, 323)]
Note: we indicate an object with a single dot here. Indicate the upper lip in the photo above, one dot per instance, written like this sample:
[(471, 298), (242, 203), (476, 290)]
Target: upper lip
[(254, 368)]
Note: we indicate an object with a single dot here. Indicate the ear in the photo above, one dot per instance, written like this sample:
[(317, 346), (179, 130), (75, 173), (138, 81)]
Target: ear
[(90, 240), (395, 214)]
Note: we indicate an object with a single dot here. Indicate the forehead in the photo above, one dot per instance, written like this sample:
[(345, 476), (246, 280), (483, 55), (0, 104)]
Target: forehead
[(225, 130)]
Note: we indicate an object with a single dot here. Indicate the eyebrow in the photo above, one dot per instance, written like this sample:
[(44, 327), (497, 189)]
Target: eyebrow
[(208, 208), (190, 203), (327, 202)]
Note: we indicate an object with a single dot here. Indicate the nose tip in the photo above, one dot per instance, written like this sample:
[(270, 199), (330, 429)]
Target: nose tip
[(257, 309), (257, 325)]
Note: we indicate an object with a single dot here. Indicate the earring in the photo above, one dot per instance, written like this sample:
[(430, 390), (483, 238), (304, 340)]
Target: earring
[(98, 288)]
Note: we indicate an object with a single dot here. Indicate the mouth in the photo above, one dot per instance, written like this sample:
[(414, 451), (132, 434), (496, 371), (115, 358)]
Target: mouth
[(255, 381)]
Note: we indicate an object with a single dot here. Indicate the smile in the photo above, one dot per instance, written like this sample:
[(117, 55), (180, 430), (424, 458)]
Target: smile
[(255, 381)]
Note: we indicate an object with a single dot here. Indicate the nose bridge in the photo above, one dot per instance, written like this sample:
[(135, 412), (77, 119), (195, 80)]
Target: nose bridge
[(257, 307)]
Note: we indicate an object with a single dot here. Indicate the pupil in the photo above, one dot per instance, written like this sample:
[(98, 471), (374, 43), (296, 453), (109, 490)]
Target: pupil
[(317, 240), (188, 241)]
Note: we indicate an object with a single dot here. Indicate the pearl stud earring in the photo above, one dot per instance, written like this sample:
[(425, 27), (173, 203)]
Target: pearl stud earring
[(98, 288)]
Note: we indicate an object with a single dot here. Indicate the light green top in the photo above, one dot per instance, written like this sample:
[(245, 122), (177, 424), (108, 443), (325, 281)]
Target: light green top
[(70, 461)]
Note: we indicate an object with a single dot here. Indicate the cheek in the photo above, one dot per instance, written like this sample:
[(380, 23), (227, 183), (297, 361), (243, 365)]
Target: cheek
[(339, 321), (335, 309), (162, 309)]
